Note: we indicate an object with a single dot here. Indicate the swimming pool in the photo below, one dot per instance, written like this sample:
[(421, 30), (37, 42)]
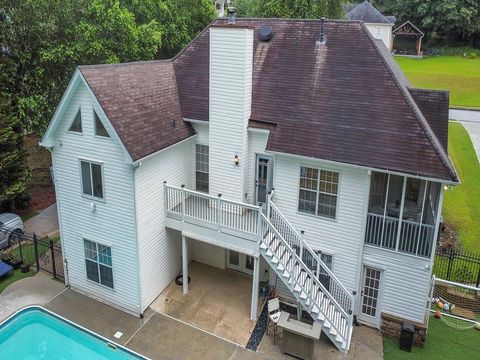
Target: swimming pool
[(36, 333)]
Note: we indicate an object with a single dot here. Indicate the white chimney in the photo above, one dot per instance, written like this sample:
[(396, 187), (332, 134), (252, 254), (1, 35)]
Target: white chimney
[(231, 64)]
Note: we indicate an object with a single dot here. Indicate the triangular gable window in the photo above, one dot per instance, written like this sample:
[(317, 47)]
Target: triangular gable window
[(99, 128), (77, 122)]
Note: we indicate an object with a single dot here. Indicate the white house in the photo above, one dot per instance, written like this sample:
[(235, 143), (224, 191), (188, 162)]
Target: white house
[(380, 26), (294, 145)]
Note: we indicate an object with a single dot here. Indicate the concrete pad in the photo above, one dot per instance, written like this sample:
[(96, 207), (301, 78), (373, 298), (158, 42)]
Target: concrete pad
[(44, 224), (366, 345), (96, 316), (218, 301), (5, 312), (35, 290), (165, 338), (245, 354)]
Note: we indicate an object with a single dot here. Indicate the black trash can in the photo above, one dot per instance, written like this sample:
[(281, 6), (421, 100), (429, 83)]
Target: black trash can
[(406, 337)]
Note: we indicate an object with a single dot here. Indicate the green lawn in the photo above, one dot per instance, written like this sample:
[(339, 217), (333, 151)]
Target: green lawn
[(461, 207), (10, 279), (443, 343), (28, 251), (459, 75)]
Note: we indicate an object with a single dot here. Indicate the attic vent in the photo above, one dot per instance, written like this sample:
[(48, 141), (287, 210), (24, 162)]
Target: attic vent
[(265, 33)]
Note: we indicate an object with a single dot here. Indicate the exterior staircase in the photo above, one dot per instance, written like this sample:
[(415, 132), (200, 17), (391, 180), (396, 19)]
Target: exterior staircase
[(304, 273)]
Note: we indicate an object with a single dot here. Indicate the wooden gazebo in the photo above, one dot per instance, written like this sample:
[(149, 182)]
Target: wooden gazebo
[(408, 30)]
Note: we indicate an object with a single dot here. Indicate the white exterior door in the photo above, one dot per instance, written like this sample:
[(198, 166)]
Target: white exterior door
[(240, 262), (370, 306)]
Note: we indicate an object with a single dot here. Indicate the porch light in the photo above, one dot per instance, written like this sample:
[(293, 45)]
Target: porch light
[(236, 160), (445, 187)]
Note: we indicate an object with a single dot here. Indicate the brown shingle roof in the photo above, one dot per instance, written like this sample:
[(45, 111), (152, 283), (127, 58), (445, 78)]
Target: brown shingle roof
[(141, 101), (342, 101)]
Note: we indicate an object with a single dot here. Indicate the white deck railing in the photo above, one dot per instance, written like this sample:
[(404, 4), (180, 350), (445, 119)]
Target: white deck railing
[(415, 239), (213, 211)]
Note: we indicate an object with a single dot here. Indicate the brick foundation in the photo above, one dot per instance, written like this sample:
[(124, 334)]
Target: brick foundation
[(392, 327)]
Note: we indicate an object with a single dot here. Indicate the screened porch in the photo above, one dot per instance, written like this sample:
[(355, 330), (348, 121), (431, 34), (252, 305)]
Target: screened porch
[(402, 214)]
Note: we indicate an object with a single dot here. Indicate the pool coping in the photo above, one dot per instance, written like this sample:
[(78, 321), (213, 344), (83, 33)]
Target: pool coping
[(75, 325)]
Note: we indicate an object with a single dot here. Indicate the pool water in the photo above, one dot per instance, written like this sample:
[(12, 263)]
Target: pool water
[(35, 333)]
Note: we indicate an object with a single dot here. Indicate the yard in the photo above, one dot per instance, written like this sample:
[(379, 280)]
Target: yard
[(443, 342), (461, 207), (459, 75), (14, 276)]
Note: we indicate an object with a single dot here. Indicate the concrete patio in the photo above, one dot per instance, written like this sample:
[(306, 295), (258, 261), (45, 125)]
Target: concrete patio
[(161, 336)]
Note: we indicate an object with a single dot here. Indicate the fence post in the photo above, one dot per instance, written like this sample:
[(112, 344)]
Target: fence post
[(54, 269), (478, 277), (19, 239), (450, 261), (35, 247)]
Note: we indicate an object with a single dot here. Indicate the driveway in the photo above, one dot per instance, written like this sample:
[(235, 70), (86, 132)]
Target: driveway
[(44, 224), (470, 120), (465, 115)]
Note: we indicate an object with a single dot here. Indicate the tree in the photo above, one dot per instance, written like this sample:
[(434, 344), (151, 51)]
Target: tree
[(14, 174), (304, 9)]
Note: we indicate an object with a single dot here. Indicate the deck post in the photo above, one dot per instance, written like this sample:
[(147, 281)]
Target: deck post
[(185, 264), (256, 277), (183, 203)]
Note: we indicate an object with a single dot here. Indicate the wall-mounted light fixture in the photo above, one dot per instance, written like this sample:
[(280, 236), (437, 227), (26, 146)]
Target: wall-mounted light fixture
[(236, 160)]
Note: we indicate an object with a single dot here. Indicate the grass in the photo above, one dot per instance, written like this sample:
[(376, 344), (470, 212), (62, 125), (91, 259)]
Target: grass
[(459, 75), (15, 276), (443, 342), (461, 208)]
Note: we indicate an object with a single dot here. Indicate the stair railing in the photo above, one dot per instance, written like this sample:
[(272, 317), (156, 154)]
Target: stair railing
[(343, 331)]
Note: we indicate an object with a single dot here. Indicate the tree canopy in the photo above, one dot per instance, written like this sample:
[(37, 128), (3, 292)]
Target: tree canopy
[(47, 39), (304, 9), (448, 22)]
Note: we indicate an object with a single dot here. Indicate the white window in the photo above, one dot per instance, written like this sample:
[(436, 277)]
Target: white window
[(379, 32), (99, 128), (98, 262), (318, 192), (92, 179), (201, 168), (77, 123)]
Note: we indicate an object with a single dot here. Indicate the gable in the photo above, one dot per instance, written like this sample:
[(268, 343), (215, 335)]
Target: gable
[(79, 99)]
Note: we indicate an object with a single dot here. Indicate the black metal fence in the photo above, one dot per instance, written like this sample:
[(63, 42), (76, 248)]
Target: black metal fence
[(457, 265), (28, 252)]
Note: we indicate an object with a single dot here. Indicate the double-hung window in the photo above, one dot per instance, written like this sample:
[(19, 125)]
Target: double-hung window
[(201, 168), (318, 192), (92, 179), (98, 261)]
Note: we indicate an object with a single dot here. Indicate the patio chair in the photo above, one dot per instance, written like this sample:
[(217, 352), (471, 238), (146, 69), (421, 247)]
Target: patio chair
[(273, 316)]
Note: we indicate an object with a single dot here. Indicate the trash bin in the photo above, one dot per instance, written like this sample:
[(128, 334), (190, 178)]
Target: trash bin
[(406, 337)]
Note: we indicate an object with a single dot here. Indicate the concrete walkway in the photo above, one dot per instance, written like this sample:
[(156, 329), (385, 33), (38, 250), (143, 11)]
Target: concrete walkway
[(44, 224), (465, 115), (473, 129), (160, 336)]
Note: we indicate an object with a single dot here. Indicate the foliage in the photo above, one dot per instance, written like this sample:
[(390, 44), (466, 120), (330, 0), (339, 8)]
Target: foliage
[(461, 207), (304, 9), (459, 75), (443, 21), (47, 39), (14, 174)]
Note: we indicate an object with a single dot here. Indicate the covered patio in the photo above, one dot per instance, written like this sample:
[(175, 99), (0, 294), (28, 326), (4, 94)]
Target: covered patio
[(218, 301)]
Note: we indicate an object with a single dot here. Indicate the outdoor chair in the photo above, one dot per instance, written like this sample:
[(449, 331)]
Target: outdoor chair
[(273, 316)]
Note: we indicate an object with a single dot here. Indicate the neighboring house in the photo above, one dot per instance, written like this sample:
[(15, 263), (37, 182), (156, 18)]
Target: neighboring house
[(380, 26), (357, 160)]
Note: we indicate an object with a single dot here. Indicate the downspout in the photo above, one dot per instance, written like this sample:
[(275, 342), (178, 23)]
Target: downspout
[(139, 292), (60, 219)]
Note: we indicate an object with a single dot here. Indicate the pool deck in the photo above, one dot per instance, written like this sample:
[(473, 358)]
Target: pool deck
[(161, 336)]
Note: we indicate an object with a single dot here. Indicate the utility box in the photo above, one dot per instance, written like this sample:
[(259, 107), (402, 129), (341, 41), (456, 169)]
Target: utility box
[(406, 336)]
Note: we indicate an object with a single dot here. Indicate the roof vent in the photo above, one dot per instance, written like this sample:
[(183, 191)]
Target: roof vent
[(265, 33), (323, 39), (231, 11)]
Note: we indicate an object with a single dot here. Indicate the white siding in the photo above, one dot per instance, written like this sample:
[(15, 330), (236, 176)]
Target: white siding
[(159, 248), (201, 129), (231, 55), (406, 282), (207, 254), (385, 33), (343, 237), (113, 221)]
